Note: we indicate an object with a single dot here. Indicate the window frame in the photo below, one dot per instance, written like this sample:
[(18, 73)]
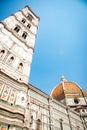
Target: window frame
[(17, 28), (24, 35), (23, 20)]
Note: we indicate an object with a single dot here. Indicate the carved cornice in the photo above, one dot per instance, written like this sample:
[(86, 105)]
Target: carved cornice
[(37, 90), (32, 12), (11, 121), (11, 114), (12, 109)]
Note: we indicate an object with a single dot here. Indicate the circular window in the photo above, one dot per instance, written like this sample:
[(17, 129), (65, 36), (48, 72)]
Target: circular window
[(76, 100)]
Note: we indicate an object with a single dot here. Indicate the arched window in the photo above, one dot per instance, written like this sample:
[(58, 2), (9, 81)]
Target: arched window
[(23, 20), (24, 35), (2, 52), (76, 100), (83, 110), (38, 126), (29, 26), (17, 28), (10, 60), (20, 67), (30, 17)]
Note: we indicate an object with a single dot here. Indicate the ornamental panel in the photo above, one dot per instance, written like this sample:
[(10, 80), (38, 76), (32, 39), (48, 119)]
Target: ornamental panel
[(1, 87), (5, 93), (21, 99), (12, 96)]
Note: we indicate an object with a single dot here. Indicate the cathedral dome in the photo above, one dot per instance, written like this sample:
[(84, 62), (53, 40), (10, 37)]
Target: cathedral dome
[(65, 87)]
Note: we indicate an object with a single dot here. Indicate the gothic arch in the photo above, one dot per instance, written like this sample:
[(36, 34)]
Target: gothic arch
[(10, 59), (20, 67)]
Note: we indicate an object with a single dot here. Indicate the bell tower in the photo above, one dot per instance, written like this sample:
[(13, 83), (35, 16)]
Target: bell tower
[(17, 37)]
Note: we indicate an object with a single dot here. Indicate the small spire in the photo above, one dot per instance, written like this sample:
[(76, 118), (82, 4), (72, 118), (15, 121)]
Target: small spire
[(63, 79)]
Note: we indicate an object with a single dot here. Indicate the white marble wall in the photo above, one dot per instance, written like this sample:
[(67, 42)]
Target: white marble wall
[(16, 46)]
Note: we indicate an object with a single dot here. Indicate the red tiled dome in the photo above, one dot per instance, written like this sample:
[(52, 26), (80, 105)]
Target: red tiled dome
[(66, 88)]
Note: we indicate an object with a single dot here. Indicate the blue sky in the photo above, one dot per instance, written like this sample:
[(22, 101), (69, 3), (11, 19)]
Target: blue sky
[(61, 43)]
